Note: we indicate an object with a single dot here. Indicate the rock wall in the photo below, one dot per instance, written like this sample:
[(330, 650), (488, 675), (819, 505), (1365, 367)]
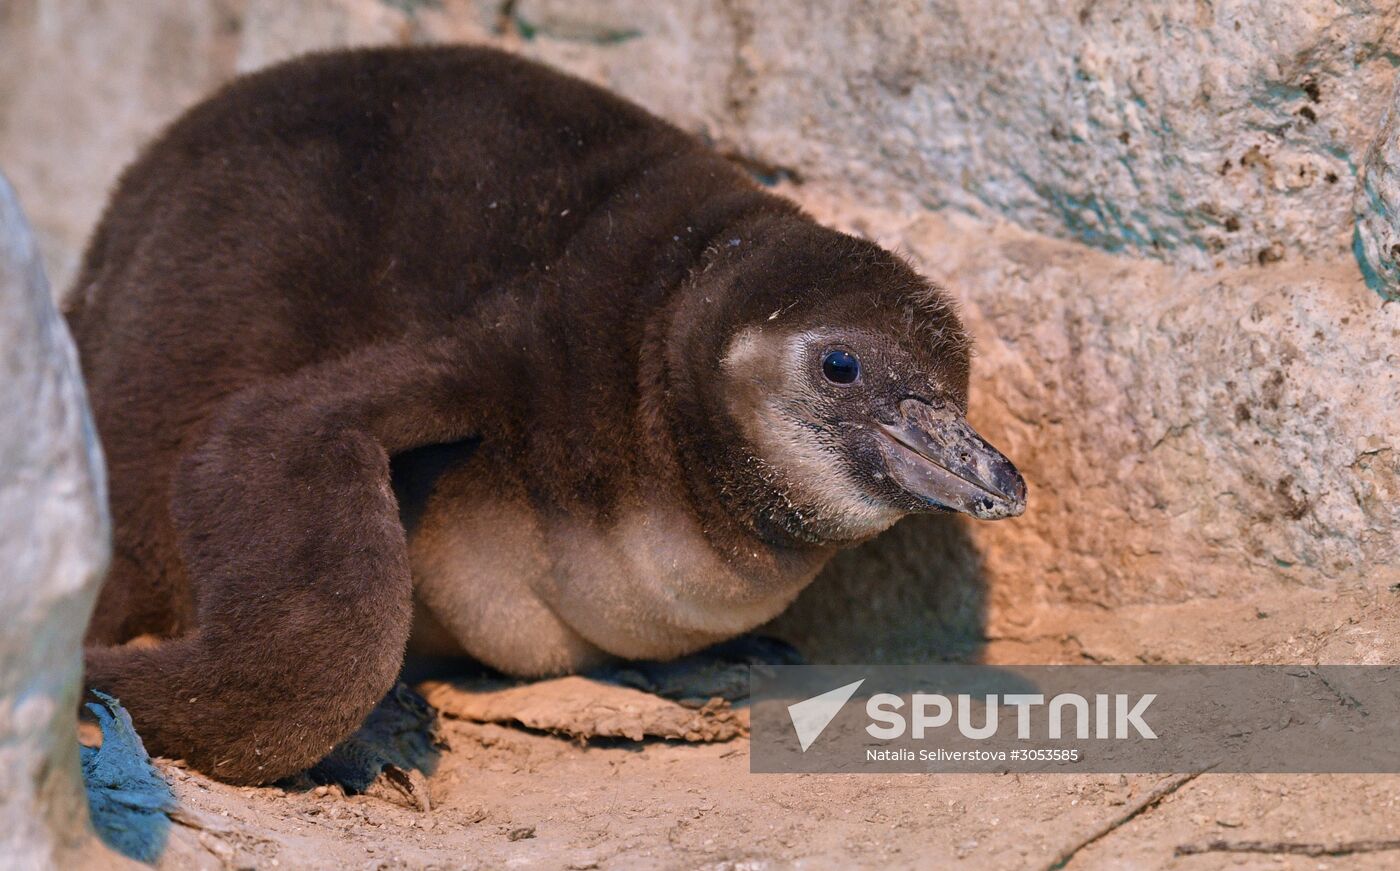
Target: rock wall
[(1192, 132), (1195, 132), (1185, 435), (1147, 209), (53, 549), (1378, 207)]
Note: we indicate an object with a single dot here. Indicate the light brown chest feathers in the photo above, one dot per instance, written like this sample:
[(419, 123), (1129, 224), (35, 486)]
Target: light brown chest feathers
[(534, 598)]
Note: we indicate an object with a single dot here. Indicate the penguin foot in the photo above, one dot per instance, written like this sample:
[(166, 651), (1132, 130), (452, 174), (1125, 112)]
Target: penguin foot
[(721, 671), (389, 757)]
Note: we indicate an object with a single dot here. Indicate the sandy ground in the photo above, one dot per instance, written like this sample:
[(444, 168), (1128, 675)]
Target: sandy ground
[(512, 797)]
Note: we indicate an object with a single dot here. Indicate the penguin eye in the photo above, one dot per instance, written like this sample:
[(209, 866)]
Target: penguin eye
[(840, 367)]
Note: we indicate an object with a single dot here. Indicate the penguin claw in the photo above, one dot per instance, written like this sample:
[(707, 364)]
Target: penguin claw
[(389, 757)]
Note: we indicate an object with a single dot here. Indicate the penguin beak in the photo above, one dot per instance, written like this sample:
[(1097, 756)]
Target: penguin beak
[(933, 453)]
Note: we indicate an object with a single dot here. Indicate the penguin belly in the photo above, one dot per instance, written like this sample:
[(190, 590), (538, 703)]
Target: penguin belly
[(532, 593)]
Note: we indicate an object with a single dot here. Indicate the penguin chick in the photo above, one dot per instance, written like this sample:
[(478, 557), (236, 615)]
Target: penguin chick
[(438, 342)]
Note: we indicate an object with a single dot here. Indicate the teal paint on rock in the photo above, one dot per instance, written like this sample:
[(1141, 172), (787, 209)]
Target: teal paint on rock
[(128, 799), (1376, 236)]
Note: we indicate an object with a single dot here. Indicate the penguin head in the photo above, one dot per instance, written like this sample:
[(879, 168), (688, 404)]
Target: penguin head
[(845, 375)]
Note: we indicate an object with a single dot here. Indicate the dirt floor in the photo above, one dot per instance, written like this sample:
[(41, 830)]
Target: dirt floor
[(504, 796)]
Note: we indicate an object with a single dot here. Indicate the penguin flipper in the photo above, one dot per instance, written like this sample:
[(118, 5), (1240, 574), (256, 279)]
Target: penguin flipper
[(289, 531)]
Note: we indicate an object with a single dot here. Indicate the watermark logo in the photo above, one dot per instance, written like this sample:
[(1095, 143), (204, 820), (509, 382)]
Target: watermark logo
[(930, 711), (811, 717), (1104, 719)]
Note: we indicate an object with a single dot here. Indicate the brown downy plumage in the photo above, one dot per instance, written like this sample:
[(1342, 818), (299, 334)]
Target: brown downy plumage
[(625, 402)]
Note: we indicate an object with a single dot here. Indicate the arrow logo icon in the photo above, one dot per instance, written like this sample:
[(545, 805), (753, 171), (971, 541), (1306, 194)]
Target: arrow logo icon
[(811, 716)]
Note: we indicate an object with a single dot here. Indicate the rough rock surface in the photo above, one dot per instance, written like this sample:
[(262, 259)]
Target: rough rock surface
[(1191, 131), (1187, 432), (1184, 435), (1378, 207), (53, 550), (1188, 131)]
